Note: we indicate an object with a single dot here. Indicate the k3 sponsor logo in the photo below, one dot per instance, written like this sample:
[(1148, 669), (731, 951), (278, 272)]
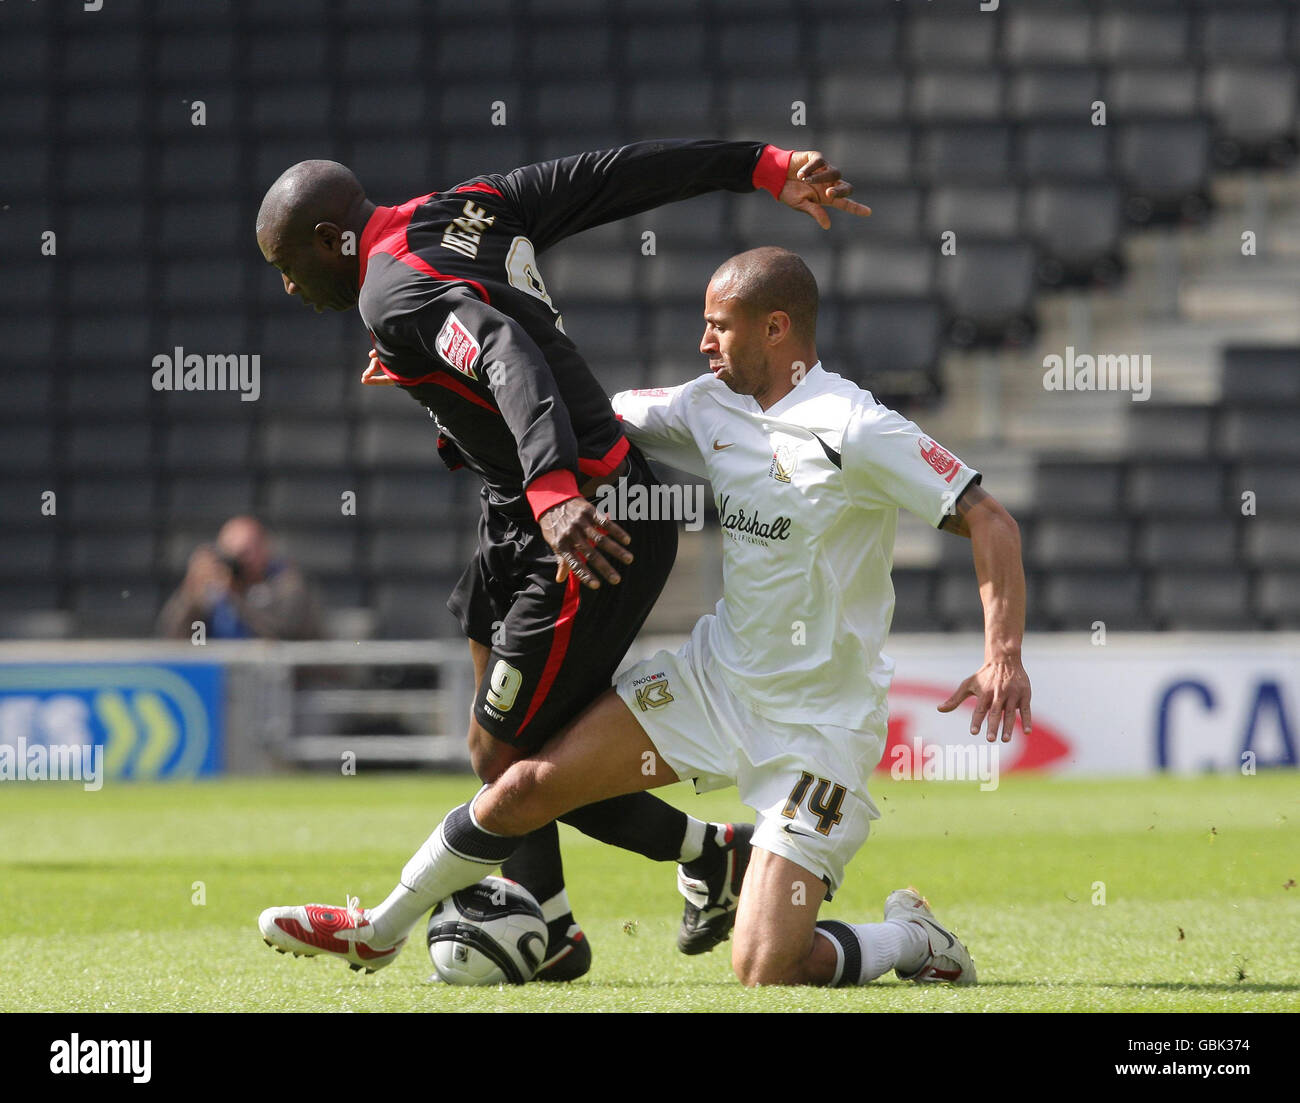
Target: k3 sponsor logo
[(751, 526), (652, 691)]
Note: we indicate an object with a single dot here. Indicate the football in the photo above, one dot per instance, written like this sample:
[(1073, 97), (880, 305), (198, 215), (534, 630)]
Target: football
[(489, 933)]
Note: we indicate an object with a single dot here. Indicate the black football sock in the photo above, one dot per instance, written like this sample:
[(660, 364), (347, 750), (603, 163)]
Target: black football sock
[(639, 822), (712, 854), (536, 863)]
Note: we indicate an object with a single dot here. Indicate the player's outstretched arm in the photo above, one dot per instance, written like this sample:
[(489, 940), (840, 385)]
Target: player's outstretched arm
[(813, 184), (1001, 686)]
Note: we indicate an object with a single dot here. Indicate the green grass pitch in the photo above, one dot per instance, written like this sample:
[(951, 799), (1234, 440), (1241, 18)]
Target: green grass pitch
[(1163, 894)]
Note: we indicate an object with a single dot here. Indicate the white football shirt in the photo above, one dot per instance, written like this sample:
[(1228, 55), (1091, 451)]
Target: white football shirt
[(808, 493)]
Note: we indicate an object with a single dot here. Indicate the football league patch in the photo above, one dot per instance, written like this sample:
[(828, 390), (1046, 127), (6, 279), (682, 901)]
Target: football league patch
[(457, 346), (943, 461)]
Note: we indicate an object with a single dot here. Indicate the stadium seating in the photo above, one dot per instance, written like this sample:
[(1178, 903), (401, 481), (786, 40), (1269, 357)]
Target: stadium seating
[(945, 119)]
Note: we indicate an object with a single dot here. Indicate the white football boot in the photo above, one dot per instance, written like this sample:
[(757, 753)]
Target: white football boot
[(948, 961), (312, 929)]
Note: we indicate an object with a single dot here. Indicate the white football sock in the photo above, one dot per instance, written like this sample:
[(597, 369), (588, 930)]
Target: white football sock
[(693, 840), (874, 948), (458, 854), (557, 907)]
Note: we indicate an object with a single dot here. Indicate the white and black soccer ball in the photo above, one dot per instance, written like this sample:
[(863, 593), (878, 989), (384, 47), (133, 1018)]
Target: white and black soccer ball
[(489, 933)]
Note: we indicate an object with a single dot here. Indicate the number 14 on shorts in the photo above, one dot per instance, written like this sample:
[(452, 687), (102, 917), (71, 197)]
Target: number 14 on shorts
[(824, 803)]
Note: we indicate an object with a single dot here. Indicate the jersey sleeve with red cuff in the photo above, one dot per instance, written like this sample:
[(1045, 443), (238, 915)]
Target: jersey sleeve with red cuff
[(481, 354), (558, 198)]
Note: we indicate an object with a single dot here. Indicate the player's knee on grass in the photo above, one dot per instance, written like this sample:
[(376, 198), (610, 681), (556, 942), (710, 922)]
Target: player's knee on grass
[(755, 963)]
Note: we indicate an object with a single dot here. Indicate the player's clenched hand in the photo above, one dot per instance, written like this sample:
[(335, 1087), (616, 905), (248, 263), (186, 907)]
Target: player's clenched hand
[(1000, 690), (578, 535), (374, 375), (813, 184)]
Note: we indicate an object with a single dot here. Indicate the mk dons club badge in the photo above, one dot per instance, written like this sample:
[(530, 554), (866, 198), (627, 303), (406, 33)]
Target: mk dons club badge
[(784, 461)]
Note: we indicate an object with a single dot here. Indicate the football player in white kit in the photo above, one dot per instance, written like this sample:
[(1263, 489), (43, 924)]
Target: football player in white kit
[(781, 691)]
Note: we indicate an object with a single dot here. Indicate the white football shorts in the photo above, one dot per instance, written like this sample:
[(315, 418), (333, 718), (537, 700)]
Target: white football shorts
[(805, 782)]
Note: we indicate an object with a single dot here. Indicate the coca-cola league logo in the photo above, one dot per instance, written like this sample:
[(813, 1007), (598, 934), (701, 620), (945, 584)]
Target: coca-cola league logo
[(739, 523)]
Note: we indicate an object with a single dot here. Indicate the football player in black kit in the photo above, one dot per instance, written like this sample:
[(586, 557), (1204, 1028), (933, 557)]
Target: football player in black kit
[(448, 286)]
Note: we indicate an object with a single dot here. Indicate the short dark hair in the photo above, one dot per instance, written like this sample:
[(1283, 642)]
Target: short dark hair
[(770, 278)]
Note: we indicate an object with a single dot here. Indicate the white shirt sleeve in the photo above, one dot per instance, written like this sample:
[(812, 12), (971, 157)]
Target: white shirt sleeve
[(888, 461), (655, 421)]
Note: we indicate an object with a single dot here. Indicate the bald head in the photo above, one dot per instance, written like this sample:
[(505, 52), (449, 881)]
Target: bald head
[(308, 193), (244, 539), (770, 279), (310, 226)]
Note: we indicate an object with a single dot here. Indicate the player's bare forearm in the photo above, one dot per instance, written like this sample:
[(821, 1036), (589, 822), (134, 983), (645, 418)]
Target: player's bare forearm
[(1000, 686)]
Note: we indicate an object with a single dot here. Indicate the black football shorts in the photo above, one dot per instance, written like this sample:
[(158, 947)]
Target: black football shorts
[(555, 645)]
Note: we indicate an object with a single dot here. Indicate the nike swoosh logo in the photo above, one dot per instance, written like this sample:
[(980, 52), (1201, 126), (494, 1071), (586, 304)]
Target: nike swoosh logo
[(720, 447), (792, 831), (935, 927)]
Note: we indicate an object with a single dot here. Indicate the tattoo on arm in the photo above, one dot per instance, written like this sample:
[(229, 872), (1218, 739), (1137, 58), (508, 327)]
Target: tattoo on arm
[(968, 499)]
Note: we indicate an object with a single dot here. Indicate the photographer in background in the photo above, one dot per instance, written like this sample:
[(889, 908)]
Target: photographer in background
[(240, 590)]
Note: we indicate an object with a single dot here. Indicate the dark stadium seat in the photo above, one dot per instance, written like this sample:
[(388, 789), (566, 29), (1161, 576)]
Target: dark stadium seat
[(189, 168), (101, 554), (99, 54), (1143, 90), (756, 46), (27, 170), (912, 595), (1199, 542), (679, 276), (988, 290), (118, 500), (408, 497), (957, 603), (1165, 429), (207, 445), (311, 498), (123, 608), (25, 447), (1053, 92), (1074, 600), (572, 104), (1277, 598), (564, 142), (704, 220), (99, 112), (415, 553), (1165, 167), (765, 107), (840, 43), (1060, 35), (1066, 151), (208, 500), (1274, 487), (1076, 228), (1201, 599), (892, 347), (108, 446), (1254, 110), (465, 107), (1080, 542), (304, 444), (1272, 541), (413, 610), (674, 335), (888, 269), (398, 107), (847, 99), (947, 95), (1244, 33), (970, 152), (896, 213), (408, 442), (321, 549), (1067, 488), (30, 285), (607, 329), (977, 212), (203, 229), (495, 149), (108, 389), (687, 105), (1176, 489), (105, 169), (572, 271), (25, 113), (183, 56), (665, 46), (29, 555), (880, 154), (101, 282), (1260, 434), (932, 37), (1261, 374), (1128, 35), (27, 59)]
